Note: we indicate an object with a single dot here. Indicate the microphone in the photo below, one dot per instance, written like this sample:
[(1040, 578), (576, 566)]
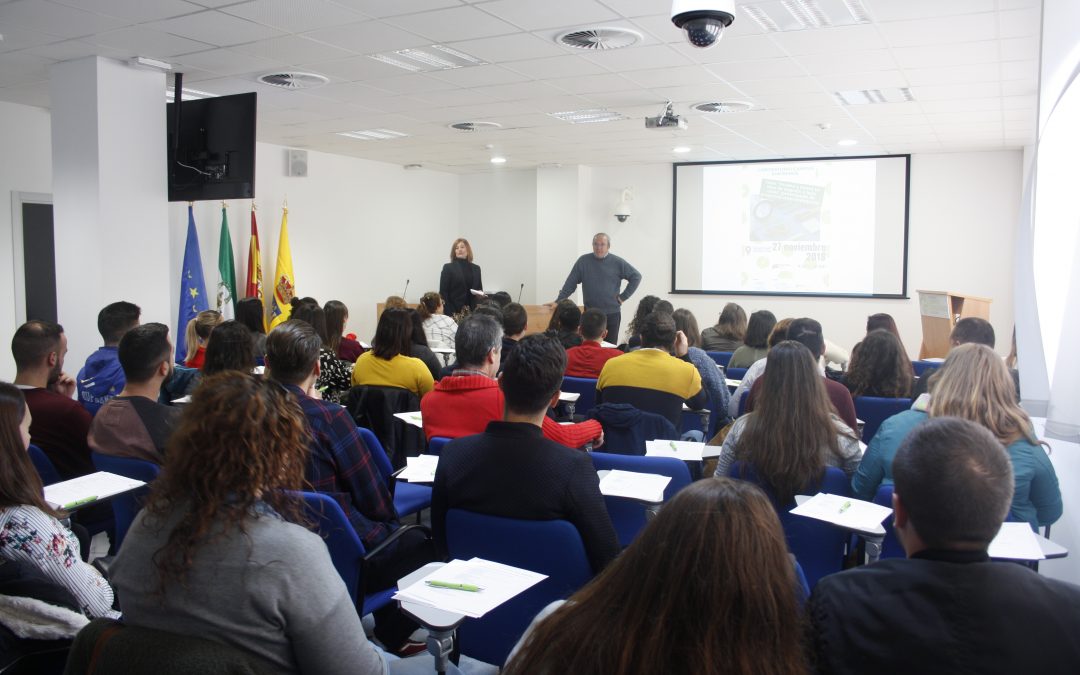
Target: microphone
[(406, 289), (519, 292)]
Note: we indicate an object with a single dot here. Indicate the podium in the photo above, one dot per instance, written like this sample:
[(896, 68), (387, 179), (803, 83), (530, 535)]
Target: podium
[(940, 310)]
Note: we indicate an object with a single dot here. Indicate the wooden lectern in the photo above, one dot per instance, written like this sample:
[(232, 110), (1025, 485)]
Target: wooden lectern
[(940, 310)]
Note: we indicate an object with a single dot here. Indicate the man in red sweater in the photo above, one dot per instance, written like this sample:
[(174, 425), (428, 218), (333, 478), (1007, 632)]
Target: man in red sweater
[(463, 404), (588, 358)]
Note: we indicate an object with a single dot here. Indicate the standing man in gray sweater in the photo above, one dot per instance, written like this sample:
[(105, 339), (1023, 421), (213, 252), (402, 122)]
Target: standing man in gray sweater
[(601, 275)]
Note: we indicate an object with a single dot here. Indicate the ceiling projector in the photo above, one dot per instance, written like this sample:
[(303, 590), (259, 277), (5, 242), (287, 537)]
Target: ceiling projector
[(667, 120)]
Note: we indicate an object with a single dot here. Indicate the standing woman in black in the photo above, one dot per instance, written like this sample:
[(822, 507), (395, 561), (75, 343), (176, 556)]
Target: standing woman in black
[(459, 276)]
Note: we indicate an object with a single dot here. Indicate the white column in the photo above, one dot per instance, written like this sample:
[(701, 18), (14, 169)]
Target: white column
[(109, 195)]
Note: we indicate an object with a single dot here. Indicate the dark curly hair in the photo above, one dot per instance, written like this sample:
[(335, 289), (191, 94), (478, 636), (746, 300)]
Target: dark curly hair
[(880, 367)]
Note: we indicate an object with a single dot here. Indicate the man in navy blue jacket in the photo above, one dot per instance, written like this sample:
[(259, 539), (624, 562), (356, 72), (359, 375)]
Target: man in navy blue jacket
[(102, 377)]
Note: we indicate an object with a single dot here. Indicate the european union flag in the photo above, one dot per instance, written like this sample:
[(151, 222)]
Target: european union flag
[(192, 287)]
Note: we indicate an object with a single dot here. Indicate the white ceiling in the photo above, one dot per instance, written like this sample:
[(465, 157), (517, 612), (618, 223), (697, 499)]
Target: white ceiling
[(971, 66)]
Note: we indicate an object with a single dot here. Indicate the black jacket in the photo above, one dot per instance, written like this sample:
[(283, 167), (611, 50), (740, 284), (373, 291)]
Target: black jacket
[(455, 282)]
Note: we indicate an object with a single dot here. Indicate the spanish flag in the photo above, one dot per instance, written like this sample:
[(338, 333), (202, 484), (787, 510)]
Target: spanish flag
[(253, 287), (284, 281)]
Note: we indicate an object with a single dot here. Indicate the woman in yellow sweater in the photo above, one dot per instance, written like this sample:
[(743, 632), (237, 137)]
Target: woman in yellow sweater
[(388, 364)]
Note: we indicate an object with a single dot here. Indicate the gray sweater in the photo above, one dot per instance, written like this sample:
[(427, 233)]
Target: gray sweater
[(600, 279), (272, 592)]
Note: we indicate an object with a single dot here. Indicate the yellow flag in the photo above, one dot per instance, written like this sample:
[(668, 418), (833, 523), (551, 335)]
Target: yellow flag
[(284, 281)]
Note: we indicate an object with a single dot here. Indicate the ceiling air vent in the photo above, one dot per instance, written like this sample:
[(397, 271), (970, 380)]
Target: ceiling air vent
[(294, 80), (726, 107), (600, 39), (475, 126)]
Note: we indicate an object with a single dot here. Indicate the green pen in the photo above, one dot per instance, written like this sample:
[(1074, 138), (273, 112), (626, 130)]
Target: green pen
[(80, 502), (674, 448), (453, 586), (845, 507)]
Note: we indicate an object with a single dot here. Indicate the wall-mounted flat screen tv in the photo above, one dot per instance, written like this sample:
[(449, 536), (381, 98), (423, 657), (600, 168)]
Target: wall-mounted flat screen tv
[(211, 148)]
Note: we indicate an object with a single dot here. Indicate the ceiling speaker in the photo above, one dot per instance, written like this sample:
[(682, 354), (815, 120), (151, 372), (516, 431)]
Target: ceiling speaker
[(296, 163)]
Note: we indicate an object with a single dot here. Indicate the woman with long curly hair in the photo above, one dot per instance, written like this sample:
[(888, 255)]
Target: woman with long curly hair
[(707, 587), (793, 432), (645, 307), (216, 552), (30, 531), (880, 367)]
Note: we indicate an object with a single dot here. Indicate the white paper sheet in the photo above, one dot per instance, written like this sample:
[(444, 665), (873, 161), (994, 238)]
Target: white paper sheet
[(569, 396), (89, 488), (413, 418), (688, 451), (419, 469), (498, 583), (854, 514), (646, 487), (1016, 541)]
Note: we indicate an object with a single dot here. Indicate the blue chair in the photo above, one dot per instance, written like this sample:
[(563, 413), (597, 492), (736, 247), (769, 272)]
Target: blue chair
[(818, 546), (586, 386), (890, 547), (551, 547), (736, 373), (127, 505), (627, 515), (873, 410), (436, 443), (922, 366), (347, 550), (803, 590), (44, 466), (721, 358), (743, 398), (409, 498)]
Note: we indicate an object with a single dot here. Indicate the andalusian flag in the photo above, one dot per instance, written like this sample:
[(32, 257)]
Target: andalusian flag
[(253, 287), (192, 287), (226, 286), (284, 281)]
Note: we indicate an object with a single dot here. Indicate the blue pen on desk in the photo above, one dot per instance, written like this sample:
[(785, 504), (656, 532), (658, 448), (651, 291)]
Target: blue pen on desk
[(846, 505), (453, 586)]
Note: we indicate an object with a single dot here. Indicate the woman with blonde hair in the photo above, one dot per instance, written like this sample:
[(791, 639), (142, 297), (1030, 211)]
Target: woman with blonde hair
[(707, 587), (439, 329), (197, 335), (459, 278), (974, 384)]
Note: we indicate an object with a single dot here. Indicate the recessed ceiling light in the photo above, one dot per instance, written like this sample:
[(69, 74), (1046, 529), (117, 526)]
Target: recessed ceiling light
[(498, 160), (586, 116), (680, 149), (372, 134), (435, 57), (847, 141)]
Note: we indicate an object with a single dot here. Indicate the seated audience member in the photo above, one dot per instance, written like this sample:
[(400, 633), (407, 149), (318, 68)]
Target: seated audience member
[(250, 312), (808, 332), (231, 347), (59, 424), (588, 358), (337, 317), (776, 336), (755, 344), (133, 423), (30, 531), (395, 302), (340, 465), (975, 385), (946, 607), (880, 321), (880, 367), (657, 378), (645, 307), (197, 335), (515, 319), (793, 433), (418, 346), (464, 402), (512, 471), (728, 333), (970, 330), (711, 378), (102, 377), (388, 364), (223, 562), (564, 325), (707, 582), (439, 329), (335, 375)]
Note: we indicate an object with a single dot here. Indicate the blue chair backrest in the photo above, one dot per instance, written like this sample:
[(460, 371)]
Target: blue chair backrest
[(721, 358), (126, 506), (586, 386), (803, 592), (551, 547), (378, 453), (818, 546), (436, 443), (44, 466), (627, 515), (890, 547), (736, 373), (921, 366), (873, 410), (345, 546), (743, 398)]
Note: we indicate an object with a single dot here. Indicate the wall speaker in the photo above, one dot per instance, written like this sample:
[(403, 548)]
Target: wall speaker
[(296, 163)]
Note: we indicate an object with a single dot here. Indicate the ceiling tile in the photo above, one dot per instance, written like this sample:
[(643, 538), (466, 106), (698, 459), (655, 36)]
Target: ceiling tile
[(830, 40), (227, 62), (23, 38), (591, 83), (1020, 49), (410, 84), (762, 69), (478, 76), (848, 62), (782, 85), (981, 72), (946, 92), (637, 58), (135, 11), (1020, 70), (356, 68), (59, 20), (455, 97), (669, 77), (370, 37), (731, 49), (215, 28), (292, 49), (518, 91), (293, 16), (550, 13), (1019, 88), (781, 100), (960, 53), (890, 10), (143, 41), (556, 66), (1021, 23), (69, 50), (882, 79), (33, 94), (505, 48), (20, 68), (453, 25), (941, 31), (383, 8)]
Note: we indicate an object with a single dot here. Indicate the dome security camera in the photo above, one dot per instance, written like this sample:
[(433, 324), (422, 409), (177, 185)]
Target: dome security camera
[(703, 20)]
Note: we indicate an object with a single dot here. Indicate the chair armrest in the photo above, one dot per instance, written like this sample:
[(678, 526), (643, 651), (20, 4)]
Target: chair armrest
[(389, 541)]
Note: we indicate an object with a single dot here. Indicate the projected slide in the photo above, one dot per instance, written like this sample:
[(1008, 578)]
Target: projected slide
[(821, 227)]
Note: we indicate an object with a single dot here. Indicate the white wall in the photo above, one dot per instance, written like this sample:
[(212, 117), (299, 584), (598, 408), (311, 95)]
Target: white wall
[(497, 214), (27, 167)]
